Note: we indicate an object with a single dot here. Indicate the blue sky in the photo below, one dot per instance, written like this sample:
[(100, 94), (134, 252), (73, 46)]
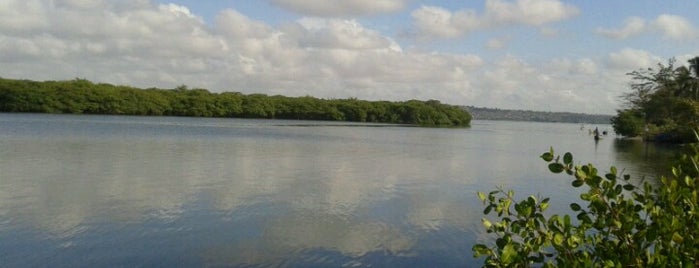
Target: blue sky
[(549, 55)]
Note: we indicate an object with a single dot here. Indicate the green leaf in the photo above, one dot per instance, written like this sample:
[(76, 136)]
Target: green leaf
[(575, 207), (610, 176), (688, 181), (577, 183), (508, 254), (556, 167), (580, 174), (568, 158), (481, 196), (629, 187), (501, 242), (558, 239), (486, 223), (544, 205), (609, 263), (677, 238), (547, 156), (480, 250)]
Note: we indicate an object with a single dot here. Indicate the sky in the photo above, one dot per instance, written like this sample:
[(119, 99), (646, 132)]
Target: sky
[(544, 55)]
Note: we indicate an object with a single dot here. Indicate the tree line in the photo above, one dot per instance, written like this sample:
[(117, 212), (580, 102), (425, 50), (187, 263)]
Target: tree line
[(663, 104), (80, 96), (482, 113)]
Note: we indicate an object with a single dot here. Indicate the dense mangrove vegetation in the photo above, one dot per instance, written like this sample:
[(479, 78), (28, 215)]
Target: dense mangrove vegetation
[(663, 104), (81, 96)]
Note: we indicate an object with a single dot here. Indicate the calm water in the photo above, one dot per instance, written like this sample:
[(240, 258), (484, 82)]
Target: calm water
[(101, 191)]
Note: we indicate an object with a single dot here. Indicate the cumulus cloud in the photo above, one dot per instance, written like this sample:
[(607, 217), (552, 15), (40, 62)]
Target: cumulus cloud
[(669, 26), (341, 34), (330, 8), (528, 12), (675, 27), (632, 27), (629, 59), (144, 44), (561, 84), (438, 22)]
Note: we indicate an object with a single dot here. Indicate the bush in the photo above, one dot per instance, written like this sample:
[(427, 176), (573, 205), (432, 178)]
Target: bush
[(628, 123), (617, 224)]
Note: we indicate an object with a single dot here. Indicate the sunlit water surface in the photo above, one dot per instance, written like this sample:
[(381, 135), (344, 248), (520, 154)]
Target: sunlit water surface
[(104, 191)]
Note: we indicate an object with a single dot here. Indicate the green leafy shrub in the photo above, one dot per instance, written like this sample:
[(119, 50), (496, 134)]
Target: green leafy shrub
[(616, 224)]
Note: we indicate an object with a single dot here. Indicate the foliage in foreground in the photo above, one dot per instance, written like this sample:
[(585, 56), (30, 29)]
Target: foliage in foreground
[(617, 224), (80, 96)]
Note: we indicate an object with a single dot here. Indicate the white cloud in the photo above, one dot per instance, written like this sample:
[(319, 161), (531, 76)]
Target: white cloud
[(675, 27), (528, 12), (498, 43), (629, 59), (136, 42), (438, 22), (341, 34), (669, 26), (329, 8), (586, 66), (632, 26)]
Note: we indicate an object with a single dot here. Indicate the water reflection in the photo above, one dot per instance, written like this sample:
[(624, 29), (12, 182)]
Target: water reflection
[(644, 158), (220, 192)]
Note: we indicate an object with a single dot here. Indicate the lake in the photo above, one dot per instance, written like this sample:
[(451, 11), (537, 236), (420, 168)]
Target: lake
[(108, 191)]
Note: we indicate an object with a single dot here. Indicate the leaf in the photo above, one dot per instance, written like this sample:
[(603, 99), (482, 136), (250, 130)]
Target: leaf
[(577, 183), (677, 238), (548, 157), (558, 239), (575, 207), (480, 250), (568, 158), (609, 263), (481, 196), (610, 176), (556, 167), (544, 205), (486, 223), (580, 174), (688, 181), (508, 254), (629, 187)]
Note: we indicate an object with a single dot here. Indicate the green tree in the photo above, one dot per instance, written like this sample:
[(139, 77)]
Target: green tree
[(82, 96), (655, 98), (628, 123)]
